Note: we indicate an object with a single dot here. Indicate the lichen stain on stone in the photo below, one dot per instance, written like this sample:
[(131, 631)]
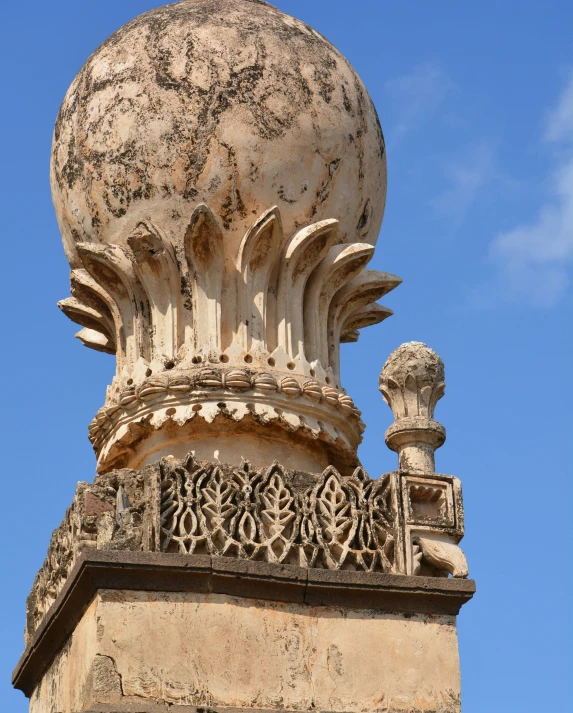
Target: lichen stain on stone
[(323, 190)]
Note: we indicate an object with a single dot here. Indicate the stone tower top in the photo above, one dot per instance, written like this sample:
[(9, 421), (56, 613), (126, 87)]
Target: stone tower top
[(219, 176)]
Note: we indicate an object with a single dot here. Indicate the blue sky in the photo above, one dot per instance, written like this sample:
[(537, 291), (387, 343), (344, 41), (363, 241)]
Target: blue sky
[(476, 102)]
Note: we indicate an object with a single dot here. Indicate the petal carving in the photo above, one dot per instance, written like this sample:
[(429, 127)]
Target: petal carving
[(341, 264), (364, 317), (156, 267), (350, 336), (258, 253), (412, 381), (204, 253), (364, 289), (90, 292), (91, 318), (96, 340), (111, 267), (301, 255)]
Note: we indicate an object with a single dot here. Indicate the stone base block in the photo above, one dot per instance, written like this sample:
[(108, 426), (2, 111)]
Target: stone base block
[(192, 634), (211, 650)]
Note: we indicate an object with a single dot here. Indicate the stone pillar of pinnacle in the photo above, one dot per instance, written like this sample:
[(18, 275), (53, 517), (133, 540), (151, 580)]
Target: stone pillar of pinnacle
[(411, 383)]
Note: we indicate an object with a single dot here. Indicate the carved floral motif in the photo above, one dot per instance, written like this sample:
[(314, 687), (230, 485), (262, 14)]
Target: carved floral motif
[(412, 381), (289, 297), (257, 514)]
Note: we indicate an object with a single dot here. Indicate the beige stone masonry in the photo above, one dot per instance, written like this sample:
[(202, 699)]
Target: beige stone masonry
[(214, 650)]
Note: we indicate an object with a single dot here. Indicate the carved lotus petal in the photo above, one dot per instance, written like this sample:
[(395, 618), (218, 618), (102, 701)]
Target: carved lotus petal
[(209, 379), (128, 397), (265, 382), (330, 396), (313, 390), (112, 410), (157, 380), (101, 417), (290, 386), (180, 384), (152, 387), (128, 400), (238, 380), (148, 392), (346, 404)]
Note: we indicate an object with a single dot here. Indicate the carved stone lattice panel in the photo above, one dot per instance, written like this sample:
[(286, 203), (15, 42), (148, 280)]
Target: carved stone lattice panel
[(400, 523), (339, 523), (106, 514), (74, 533)]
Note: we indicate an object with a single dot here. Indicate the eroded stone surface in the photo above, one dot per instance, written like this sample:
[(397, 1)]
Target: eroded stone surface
[(214, 650), (67, 686)]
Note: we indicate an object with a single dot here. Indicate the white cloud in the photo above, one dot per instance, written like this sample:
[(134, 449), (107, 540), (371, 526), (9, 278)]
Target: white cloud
[(560, 122), (535, 259), (466, 176), (416, 96)]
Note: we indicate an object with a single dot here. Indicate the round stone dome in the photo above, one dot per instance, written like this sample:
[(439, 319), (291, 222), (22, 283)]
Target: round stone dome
[(230, 103)]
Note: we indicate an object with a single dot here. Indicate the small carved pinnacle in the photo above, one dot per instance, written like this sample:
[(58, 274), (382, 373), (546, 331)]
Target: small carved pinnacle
[(411, 383)]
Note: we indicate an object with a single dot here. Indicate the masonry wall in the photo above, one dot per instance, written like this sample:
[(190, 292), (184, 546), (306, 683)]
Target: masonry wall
[(213, 650)]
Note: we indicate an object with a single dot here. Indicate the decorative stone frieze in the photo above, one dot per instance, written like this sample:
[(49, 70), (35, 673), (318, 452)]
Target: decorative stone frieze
[(399, 524), (338, 523), (293, 403)]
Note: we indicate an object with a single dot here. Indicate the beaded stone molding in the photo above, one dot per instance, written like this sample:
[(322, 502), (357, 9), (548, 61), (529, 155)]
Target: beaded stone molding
[(295, 404), (399, 524)]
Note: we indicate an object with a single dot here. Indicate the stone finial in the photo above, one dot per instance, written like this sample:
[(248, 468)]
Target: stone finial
[(411, 383), (221, 259)]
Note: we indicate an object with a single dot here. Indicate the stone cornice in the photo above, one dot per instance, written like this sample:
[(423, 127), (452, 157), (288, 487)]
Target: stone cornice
[(161, 572)]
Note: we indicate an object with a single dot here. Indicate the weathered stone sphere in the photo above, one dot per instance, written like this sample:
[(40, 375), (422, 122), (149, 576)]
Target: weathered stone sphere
[(225, 102)]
